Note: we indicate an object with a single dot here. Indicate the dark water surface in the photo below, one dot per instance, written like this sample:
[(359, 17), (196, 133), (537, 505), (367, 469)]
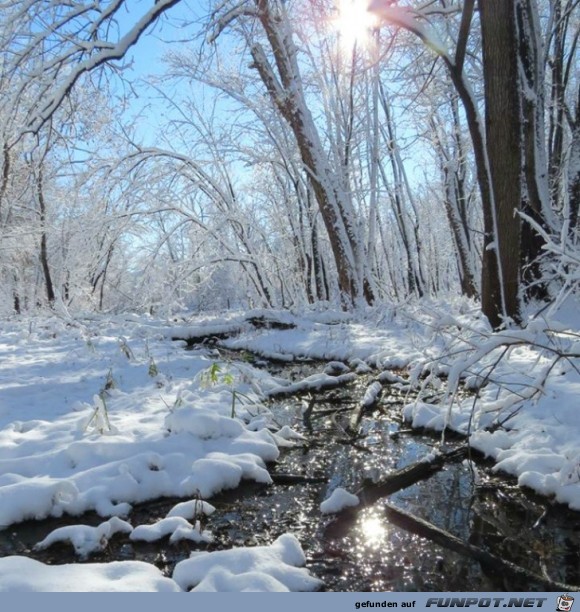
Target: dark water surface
[(371, 554)]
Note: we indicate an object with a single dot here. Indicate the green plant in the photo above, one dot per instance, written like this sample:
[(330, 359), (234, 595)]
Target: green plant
[(213, 375), (216, 375)]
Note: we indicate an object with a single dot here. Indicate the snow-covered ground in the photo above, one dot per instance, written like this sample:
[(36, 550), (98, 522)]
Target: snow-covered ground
[(99, 414)]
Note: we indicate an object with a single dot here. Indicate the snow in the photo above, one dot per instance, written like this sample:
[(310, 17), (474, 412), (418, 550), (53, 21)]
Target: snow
[(161, 440), (339, 500), (179, 434), (176, 527), (525, 417), (191, 509), (86, 539), (316, 382), (372, 394), (85, 425), (263, 568), (22, 574)]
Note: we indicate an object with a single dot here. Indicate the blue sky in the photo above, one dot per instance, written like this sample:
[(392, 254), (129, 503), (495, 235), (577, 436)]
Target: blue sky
[(145, 58)]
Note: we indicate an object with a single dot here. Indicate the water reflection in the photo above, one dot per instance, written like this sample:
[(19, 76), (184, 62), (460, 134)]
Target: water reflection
[(373, 531), (370, 554)]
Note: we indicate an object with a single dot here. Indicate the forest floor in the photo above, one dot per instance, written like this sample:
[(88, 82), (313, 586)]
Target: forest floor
[(100, 416)]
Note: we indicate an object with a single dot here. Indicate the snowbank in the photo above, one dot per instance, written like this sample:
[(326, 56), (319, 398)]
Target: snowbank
[(85, 425), (24, 574), (263, 568)]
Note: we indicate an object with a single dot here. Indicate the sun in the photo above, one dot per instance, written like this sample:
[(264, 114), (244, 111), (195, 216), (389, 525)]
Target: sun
[(354, 23)]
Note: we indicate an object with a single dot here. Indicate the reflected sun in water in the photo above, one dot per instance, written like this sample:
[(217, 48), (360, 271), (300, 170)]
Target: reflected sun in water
[(373, 531)]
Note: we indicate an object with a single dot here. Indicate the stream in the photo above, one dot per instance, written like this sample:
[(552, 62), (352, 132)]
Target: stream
[(369, 553)]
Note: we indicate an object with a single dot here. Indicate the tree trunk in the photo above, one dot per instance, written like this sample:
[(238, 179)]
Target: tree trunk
[(44, 241), (535, 201), (500, 287), (16, 295), (499, 178)]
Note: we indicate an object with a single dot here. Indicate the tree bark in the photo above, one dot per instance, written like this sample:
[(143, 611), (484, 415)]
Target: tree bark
[(500, 287), (535, 201), (44, 241), (574, 178)]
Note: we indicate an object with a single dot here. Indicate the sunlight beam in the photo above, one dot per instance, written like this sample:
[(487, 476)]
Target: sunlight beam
[(354, 23)]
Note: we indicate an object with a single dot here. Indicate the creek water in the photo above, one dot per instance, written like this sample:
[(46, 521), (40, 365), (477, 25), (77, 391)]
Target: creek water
[(370, 554)]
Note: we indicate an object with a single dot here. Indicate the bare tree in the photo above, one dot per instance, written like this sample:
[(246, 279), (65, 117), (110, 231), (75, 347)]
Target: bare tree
[(509, 154), (282, 79)]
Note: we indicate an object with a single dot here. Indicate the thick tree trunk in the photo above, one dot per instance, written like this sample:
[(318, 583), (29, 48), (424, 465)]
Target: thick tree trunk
[(500, 287), (498, 154)]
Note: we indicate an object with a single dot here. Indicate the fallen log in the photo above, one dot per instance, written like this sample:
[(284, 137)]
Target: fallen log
[(371, 492), (407, 476), (424, 529), (202, 336), (312, 384), (269, 322)]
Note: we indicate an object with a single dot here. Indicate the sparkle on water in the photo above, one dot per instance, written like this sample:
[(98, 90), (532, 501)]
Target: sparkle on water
[(373, 530)]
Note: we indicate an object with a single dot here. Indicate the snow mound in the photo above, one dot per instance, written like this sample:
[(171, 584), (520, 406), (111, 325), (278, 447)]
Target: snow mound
[(176, 526), (339, 500), (191, 509), (24, 574), (24, 499), (86, 539), (203, 424), (334, 368), (262, 568), (421, 414), (219, 471)]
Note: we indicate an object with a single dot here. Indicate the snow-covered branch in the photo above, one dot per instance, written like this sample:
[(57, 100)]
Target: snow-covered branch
[(49, 45)]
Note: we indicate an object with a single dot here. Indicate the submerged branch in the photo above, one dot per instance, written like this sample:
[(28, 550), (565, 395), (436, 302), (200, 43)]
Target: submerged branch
[(424, 529), (371, 492)]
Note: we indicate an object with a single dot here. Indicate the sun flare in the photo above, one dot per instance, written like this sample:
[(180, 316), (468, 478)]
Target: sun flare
[(373, 531), (354, 23)]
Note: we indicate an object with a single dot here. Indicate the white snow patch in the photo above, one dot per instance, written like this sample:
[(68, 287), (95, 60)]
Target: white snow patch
[(176, 527), (263, 568), (23, 574), (86, 539), (339, 499), (191, 509)]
